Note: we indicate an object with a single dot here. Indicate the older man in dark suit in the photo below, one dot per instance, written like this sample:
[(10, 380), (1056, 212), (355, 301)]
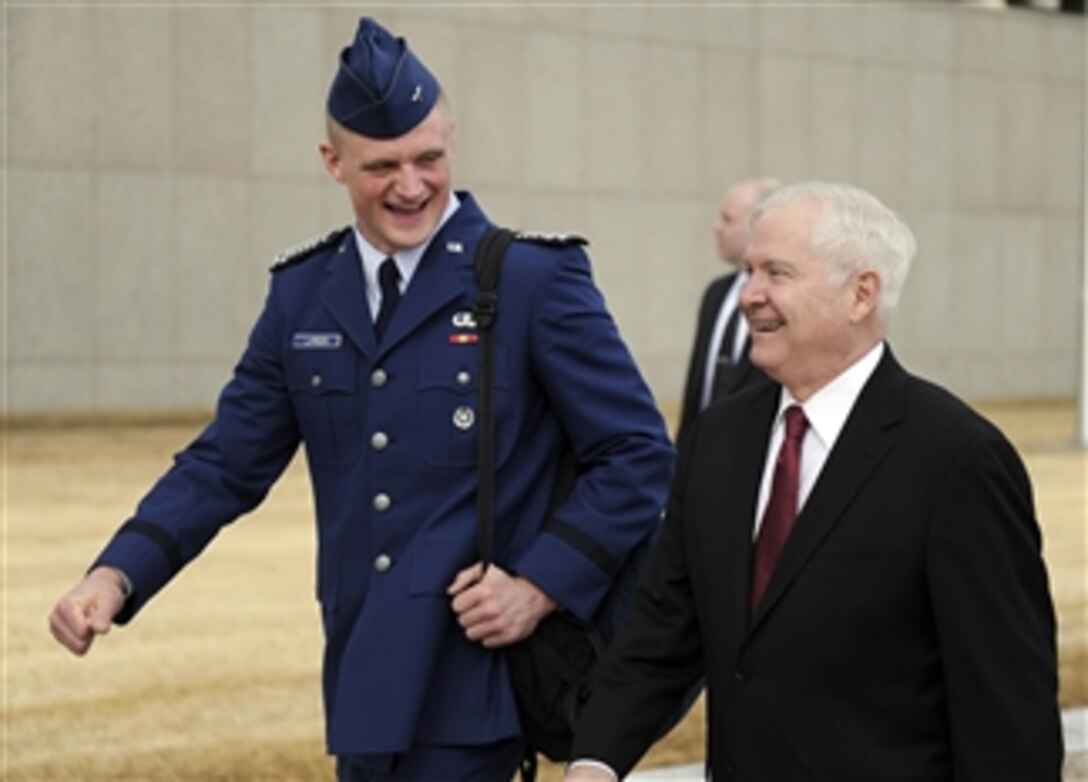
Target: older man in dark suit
[(719, 362), (866, 595)]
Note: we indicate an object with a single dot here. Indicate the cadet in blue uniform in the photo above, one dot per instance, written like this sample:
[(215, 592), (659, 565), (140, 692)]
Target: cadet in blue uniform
[(371, 364)]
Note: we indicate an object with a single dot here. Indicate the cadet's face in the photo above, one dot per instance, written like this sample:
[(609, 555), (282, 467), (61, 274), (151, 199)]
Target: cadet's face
[(399, 187), (800, 310)]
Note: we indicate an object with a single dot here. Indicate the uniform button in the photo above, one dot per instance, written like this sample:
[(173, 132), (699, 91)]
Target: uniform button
[(378, 378), (379, 440), (316, 381), (383, 562), (382, 502), (463, 378), (740, 676)]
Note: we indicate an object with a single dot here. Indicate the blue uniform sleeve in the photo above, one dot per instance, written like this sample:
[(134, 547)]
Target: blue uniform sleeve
[(616, 433), (225, 472)]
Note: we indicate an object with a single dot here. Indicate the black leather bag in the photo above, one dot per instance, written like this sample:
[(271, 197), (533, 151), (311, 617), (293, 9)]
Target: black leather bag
[(552, 668)]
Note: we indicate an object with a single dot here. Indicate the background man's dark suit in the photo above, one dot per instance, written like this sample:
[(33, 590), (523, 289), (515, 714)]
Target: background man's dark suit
[(731, 234), (744, 373), (882, 648)]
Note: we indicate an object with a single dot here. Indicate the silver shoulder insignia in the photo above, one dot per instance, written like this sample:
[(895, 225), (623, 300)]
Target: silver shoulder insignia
[(554, 239), (306, 249)]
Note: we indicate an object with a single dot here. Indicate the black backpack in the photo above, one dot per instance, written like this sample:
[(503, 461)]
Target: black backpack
[(551, 669)]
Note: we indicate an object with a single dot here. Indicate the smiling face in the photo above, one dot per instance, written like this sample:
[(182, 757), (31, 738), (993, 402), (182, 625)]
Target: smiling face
[(809, 319), (399, 187)]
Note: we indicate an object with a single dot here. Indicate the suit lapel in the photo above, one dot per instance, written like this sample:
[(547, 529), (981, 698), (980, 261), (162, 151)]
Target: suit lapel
[(444, 274), (865, 440), (344, 294), (708, 315), (715, 297), (740, 493), (439, 279)]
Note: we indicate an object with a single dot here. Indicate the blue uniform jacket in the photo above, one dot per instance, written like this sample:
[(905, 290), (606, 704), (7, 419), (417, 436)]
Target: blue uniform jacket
[(390, 437)]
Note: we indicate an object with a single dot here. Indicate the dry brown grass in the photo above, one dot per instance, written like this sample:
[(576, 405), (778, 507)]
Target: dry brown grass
[(218, 679)]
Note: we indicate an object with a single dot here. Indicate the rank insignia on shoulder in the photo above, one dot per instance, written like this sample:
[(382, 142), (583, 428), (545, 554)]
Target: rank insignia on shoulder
[(553, 239), (306, 249)]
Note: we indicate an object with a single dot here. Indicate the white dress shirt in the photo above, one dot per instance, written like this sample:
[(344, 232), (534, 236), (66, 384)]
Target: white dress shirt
[(826, 411), (407, 260)]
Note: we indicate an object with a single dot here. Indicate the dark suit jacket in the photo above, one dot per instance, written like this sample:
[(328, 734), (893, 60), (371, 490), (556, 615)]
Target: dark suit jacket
[(907, 633), (747, 373)]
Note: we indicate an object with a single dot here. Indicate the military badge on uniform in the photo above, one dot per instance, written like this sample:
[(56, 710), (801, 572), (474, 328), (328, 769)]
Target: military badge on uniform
[(553, 239), (464, 320), (464, 418), (307, 249)]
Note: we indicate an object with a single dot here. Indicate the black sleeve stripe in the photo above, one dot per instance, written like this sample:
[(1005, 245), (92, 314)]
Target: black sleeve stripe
[(585, 544), (168, 545)]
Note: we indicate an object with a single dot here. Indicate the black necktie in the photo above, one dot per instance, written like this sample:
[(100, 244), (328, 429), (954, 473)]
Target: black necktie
[(388, 277), (724, 364)]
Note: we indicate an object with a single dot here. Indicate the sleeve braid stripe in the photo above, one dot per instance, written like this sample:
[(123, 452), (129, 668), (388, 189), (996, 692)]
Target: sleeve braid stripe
[(585, 544), (168, 545)]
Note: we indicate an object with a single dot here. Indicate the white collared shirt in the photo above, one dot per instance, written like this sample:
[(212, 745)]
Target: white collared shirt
[(826, 411), (407, 260)]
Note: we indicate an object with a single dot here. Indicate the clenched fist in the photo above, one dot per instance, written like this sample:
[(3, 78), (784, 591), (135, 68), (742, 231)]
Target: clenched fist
[(88, 609)]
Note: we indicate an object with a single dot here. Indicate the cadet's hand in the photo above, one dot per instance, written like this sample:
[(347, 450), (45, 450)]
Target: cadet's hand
[(88, 610), (498, 609)]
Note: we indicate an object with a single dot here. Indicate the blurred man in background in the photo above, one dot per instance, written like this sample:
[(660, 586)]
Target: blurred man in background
[(719, 361)]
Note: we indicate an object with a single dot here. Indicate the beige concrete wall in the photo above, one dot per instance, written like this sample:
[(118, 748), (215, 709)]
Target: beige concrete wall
[(157, 157)]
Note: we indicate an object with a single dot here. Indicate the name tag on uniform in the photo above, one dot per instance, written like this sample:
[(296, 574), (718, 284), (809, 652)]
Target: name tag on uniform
[(317, 340)]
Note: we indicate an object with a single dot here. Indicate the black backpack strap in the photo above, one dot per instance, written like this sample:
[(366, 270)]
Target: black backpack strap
[(490, 253), (489, 256)]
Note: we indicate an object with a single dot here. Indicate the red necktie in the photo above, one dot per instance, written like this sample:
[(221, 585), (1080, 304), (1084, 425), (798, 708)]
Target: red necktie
[(781, 510)]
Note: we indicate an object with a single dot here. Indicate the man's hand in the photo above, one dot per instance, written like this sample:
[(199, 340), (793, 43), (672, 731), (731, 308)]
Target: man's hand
[(588, 771), (88, 610), (498, 609)]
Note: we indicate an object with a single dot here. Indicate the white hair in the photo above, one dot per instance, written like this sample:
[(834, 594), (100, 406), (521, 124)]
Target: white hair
[(854, 231)]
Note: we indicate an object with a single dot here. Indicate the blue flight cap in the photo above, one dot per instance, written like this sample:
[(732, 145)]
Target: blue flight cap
[(381, 89)]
